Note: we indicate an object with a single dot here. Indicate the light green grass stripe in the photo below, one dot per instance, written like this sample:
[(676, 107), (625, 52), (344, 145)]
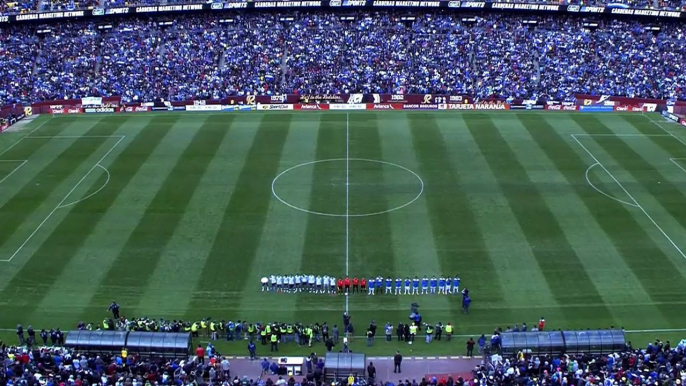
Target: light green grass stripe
[(413, 242), (627, 227), (507, 245), (101, 243), (374, 187), (168, 292), (555, 257), (459, 240), (324, 238), (146, 244), (282, 242), (614, 280), (225, 271)]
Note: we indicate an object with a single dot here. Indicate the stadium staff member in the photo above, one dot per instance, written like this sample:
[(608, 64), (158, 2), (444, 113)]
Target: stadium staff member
[(274, 339)]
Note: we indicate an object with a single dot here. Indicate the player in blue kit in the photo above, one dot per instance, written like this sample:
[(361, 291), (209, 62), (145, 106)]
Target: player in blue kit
[(379, 284), (448, 285), (389, 286), (425, 285), (456, 284), (371, 283), (408, 284), (398, 286), (415, 286), (441, 285), (433, 283)]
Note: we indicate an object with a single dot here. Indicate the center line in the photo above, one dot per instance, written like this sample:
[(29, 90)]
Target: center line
[(347, 201)]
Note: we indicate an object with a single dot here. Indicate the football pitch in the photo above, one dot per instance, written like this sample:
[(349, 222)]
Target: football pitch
[(579, 218)]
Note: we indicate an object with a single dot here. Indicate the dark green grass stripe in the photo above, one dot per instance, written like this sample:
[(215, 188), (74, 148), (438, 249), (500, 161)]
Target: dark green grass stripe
[(33, 281), (28, 147), (556, 258), (460, 244), (371, 246), (670, 197), (227, 268), (25, 202), (324, 247), (147, 242), (654, 270)]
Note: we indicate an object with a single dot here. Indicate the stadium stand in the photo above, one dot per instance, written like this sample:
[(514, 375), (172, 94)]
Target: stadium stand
[(204, 56)]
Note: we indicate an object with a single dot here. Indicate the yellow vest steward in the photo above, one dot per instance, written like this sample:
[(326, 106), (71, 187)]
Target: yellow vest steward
[(413, 330), (351, 380), (274, 339), (448, 329), (213, 327), (194, 327), (124, 353), (263, 332), (268, 329), (251, 329), (203, 324)]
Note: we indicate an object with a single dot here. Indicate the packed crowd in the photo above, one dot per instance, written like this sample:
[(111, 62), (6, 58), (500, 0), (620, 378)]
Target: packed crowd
[(260, 54)]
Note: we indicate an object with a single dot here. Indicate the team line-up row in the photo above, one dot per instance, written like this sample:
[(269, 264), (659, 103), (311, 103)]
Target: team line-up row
[(374, 285)]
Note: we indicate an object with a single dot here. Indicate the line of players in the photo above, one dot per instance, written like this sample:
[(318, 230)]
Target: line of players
[(377, 285)]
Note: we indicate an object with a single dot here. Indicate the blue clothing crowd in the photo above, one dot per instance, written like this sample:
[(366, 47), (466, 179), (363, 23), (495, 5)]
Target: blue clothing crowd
[(207, 57)]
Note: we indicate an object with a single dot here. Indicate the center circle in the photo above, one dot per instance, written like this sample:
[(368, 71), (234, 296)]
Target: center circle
[(362, 187)]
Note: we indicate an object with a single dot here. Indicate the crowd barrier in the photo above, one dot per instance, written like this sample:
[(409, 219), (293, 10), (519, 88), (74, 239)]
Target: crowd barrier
[(350, 102)]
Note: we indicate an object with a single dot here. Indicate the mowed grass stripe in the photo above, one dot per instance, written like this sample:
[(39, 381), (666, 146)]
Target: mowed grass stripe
[(556, 258), (35, 275), (33, 194), (371, 247), (507, 245), (225, 271), (414, 250), (617, 222), (104, 222), (642, 170), (146, 244), (459, 240), (370, 237), (168, 292), (324, 248), (595, 250), (282, 242)]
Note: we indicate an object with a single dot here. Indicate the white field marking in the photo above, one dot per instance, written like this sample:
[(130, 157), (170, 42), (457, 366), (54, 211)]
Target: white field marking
[(671, 159), (107, 181), (665, 130), (631, 197), (74, 136), (15, 169), (97, 164), (621, 135), (421, 190), (347, 201), (24, 137), (603, 193)]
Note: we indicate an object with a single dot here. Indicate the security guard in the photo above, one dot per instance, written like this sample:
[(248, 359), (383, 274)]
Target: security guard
[(275, 342), (263, 335), (187, 327), (251, 332), (213, 330), (105, 324), (194, 329), (282, 333), (413, 332), (203, 326), (289, 332), (449, 331), (429, 333)]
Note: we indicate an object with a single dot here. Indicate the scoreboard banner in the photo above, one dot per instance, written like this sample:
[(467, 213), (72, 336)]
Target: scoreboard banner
[(344, 4)]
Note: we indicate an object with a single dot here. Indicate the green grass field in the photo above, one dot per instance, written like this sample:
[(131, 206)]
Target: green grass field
[(579, 218)]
